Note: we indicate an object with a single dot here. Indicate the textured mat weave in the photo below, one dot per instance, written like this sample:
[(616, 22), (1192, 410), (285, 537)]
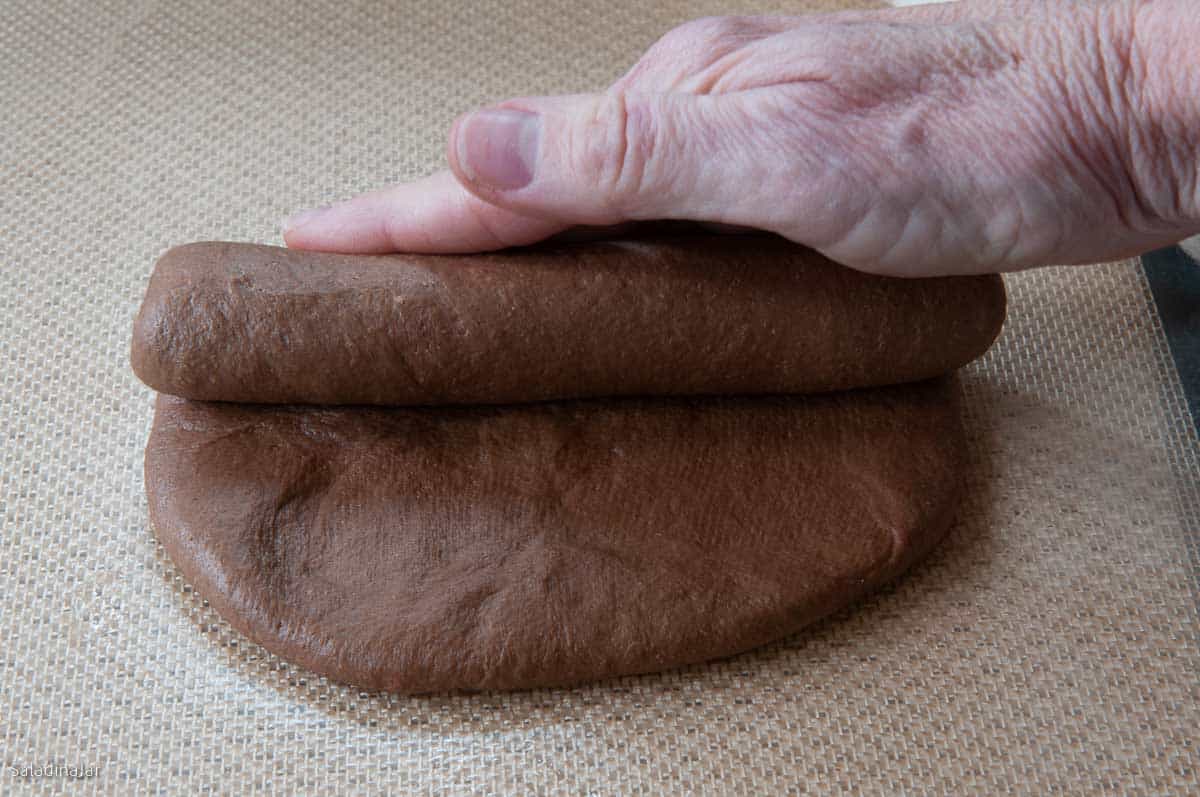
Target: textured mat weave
[(1050, 645)]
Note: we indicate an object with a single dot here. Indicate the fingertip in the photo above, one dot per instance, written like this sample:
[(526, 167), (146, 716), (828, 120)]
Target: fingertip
[(354, 226), (291, 227), (286, 225)]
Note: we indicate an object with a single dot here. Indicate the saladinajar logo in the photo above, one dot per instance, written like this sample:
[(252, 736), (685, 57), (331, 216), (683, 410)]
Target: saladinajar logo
[(52, 771)]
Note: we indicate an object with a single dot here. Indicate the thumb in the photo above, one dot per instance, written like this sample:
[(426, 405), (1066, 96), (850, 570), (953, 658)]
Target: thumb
[(605, 158)]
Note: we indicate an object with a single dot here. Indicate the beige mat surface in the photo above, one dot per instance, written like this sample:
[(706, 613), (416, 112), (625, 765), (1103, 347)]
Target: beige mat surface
[(1049, 646)]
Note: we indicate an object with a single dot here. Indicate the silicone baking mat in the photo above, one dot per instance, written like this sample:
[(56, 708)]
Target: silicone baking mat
[(1050, 645)]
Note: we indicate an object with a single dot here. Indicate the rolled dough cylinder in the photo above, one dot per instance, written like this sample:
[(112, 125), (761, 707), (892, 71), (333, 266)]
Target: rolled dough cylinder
[(423, 549), (698, 314)]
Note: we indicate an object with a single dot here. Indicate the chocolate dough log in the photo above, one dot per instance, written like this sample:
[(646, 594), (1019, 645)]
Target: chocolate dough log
[(685, 315), (429, 549)]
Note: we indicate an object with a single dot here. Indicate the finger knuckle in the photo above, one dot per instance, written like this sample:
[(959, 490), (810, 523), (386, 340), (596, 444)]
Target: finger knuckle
[(706, 30), (697, 35), (618, 150)]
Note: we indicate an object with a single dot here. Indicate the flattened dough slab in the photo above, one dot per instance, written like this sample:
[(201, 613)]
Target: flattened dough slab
[(419, 550)]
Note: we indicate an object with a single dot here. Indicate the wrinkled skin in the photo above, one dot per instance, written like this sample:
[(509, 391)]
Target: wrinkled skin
[(962, 138)]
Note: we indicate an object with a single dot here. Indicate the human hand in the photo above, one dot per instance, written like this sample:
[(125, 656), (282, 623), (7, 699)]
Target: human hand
[(960, 138)]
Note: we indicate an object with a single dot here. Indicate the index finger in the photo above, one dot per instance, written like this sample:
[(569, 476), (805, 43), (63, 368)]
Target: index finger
[(432, 215)]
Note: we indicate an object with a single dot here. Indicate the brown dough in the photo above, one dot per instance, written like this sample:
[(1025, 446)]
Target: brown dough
[(707, 314), (428, 549)]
